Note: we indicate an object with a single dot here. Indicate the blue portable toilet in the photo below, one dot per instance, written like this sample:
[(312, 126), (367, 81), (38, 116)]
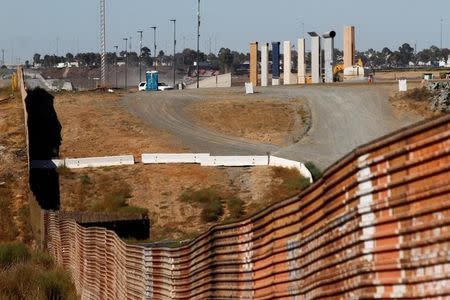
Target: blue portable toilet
[(152, 80)]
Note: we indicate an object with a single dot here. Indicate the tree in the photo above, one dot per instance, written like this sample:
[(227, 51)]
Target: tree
[(147, 56), (69, 57), (406, 54), (36, 59), (225, 59)]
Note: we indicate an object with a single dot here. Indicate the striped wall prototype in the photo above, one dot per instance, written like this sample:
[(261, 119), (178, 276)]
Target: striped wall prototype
[(375, 226)]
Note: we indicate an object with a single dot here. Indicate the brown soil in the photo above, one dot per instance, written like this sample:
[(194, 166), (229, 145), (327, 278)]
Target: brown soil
[(260, 120), (94, 124), (14, 224), (413, 75), (416, 100)]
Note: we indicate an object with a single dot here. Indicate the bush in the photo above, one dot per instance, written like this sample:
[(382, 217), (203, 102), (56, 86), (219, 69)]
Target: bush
[(212, 211), (55, 284), (13, 253), (418, 94), (26, 274), (236, 207), (209, 200), (315, 171)]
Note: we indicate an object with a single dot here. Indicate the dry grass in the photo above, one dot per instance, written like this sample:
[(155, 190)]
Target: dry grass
[(258, 120), (26, 274), (416, 100), (14, 221)]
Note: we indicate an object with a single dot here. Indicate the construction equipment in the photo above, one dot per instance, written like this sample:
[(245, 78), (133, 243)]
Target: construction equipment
[(338, 70)]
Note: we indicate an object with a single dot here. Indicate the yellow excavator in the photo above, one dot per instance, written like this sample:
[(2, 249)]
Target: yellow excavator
[(338, 71)]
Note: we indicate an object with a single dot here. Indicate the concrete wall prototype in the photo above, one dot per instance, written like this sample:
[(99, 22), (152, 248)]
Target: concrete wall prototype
[(265, 64), (375, 226), (275, 63), (349, 46), (218, 81), (315, 60), (254, 63), (301, 61), (288, 77), (328, 45)]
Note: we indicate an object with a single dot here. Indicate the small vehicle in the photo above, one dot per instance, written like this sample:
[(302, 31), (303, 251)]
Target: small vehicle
[(142, 86), (164, 87)]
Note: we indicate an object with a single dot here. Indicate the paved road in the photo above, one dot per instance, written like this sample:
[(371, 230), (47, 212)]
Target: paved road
[(343, 117)]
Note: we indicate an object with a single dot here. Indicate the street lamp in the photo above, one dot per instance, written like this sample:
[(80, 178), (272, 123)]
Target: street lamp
[(154, 44), (140, 55), (174, 47), (115, 67), (198, 45), (126, 62)]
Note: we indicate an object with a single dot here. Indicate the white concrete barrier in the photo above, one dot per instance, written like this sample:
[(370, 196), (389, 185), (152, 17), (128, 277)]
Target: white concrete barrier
[(286, 163), (95, 162), (403, 85), (175, 158), (47, 164), (235, 161)]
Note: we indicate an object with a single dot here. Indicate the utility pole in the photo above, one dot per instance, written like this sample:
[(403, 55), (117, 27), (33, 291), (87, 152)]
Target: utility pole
[(126, 61), (442, 32), (140, 55), (198, 44), (154, 45), (103, 43), (3, 57), (174, 48), (115, 67)]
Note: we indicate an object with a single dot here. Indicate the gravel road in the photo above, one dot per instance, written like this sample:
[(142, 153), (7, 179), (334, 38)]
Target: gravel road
[(343, 117)]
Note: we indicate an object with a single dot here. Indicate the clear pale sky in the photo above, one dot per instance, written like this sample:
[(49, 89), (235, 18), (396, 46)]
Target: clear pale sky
[(29, 26)]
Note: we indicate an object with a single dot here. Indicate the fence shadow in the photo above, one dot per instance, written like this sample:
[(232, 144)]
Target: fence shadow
[(44, 131)]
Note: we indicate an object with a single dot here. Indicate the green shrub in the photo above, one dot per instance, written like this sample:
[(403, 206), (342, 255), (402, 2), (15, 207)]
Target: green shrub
[(85, 179), (315, 171), (418, 94), (208, 199), (236, 207), (56, 284), (13, 253), (212, 211)]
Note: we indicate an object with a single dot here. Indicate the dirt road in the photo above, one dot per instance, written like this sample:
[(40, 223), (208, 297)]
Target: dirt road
[(343, 117)]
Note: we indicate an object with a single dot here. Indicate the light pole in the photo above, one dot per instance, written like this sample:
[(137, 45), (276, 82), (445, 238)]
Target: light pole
[(442, 32), (126, 61), (174, 47), (154, 45), (140, 55), (115, 66), (198, 45), (3, 57)]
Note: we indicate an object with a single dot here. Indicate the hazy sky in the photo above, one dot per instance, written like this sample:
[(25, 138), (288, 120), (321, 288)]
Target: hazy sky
[(29, 26)]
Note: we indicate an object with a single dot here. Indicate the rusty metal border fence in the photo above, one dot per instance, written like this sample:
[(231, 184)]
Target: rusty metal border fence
[(377, 225)]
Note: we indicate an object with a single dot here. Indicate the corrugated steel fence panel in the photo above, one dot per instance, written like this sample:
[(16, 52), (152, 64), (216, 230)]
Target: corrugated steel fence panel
[(375, 226)]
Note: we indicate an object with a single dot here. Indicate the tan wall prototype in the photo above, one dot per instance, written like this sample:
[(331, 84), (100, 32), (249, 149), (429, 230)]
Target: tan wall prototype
[(254, 63), (301, 62), (349, 46)]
